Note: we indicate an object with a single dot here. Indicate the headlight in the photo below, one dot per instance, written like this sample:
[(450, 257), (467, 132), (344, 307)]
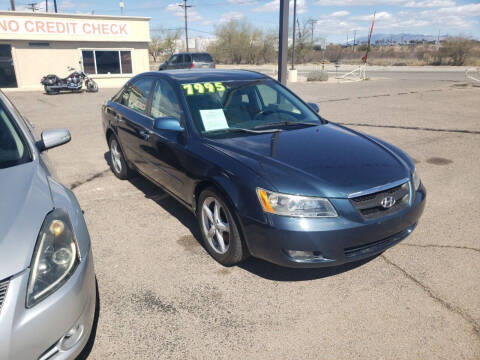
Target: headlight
[(55, 258), (416, 180), (294, 205)]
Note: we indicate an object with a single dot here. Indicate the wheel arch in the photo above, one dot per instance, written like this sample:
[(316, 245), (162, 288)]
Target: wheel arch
[(220, 184)]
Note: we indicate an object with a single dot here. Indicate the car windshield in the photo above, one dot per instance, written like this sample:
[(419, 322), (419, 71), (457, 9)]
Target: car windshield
[(13, 150), (220, 107)]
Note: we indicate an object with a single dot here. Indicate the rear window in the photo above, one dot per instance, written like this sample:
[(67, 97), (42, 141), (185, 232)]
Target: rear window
[(202, 58), (13, 150)]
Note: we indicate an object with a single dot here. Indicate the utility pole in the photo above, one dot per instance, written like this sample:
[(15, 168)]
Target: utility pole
[(46, 5), (283, 42), (347, 38), (55, 5), (354, 37), (12, 5), (185, 8), (312, 22), (294, 28)]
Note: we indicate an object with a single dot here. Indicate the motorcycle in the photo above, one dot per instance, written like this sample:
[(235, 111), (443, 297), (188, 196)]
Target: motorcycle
[(73, 82)]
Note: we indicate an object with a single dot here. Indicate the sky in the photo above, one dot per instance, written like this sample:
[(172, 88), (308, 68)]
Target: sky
[(335, 19)]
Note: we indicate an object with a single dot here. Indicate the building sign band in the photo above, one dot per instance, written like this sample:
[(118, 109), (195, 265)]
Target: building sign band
[(62, 27)]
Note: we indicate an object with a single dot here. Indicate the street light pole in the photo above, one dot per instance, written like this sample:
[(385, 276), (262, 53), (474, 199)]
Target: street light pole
[(294, 28), (12, 4), (55, 5), (283, 42)]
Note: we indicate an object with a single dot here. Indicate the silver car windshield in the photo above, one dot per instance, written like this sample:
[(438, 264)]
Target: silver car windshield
[(13, 150), (220, 107)]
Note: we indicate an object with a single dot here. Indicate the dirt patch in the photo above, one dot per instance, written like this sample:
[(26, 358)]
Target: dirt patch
[(439, 161)]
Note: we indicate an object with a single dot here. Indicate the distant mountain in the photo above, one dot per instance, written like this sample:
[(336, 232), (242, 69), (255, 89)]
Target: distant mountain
[(398, 38)]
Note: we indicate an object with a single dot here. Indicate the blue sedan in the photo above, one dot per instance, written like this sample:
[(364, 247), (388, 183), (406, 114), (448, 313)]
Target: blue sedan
[(264, 174)]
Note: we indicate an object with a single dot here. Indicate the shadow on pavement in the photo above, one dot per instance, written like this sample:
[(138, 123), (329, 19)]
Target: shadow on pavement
[(255, 266)]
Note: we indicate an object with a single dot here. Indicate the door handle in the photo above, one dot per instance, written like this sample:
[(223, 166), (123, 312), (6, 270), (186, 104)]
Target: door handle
[(144, 134)]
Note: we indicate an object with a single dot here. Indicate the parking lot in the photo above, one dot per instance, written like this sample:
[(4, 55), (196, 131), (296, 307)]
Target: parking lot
[(163, 297)]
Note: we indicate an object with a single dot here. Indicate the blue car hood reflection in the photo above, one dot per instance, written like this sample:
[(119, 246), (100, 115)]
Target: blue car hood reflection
[(325, 160)]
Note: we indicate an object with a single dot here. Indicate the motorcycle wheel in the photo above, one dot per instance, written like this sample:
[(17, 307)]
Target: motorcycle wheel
[(92, 86), (50, 92)]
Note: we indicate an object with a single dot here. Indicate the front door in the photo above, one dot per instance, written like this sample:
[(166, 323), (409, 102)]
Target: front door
[(7, 70), (165, 146)]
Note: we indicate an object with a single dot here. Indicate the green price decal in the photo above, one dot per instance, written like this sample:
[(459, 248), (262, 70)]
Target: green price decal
[(202, 88)]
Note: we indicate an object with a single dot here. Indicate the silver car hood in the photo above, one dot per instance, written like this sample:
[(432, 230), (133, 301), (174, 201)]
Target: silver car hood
[(25, 199)]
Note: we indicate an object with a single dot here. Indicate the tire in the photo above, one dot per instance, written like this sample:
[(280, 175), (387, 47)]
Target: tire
[(92, 86), (117, 159), (225, 246)]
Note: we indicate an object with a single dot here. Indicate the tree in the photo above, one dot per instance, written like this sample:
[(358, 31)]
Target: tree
[(239, 42), (164, 43), (456, 50)]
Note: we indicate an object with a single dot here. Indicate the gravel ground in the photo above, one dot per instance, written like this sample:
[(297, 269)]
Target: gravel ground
[(163, 297)]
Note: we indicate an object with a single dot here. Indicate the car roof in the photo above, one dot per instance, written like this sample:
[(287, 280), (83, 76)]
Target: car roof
[(203, 75), (191, 53)]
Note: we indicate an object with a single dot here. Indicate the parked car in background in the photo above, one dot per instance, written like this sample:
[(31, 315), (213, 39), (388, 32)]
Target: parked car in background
[(47, 281), (188, 61), (264, 174)]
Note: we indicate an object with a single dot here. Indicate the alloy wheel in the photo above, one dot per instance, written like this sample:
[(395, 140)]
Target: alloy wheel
[(116, 156), (215, 225)]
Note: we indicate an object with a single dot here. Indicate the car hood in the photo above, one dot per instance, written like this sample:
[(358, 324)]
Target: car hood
[(25, 199), (326, 160)]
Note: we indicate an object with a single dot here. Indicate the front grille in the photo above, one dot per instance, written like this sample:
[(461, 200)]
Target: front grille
[(3, 292), (369, 206)]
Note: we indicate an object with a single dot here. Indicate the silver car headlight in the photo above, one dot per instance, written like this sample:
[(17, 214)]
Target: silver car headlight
[(416, 180), (55, 258), (295, 205)]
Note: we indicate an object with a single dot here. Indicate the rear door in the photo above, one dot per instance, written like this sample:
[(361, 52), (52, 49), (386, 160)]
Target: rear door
[(187, 61), (132, 121)]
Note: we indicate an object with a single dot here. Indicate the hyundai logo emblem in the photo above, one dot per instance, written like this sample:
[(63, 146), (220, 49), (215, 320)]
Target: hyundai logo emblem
[(388, 202)]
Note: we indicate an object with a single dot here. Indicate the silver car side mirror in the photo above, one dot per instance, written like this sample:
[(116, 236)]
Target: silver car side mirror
[(53, 138)]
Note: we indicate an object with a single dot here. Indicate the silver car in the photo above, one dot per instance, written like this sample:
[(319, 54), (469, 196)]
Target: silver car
[(48, 297)]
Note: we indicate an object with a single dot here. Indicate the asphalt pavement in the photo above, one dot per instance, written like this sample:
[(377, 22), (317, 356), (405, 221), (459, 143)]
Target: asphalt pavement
[(163, 297)]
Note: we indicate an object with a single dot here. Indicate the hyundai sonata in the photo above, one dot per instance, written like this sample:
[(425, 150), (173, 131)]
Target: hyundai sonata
[(264, 174)]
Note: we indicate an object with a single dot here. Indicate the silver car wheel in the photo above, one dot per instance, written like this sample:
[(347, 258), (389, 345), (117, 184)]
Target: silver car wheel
[(116, 156), (215, 226)]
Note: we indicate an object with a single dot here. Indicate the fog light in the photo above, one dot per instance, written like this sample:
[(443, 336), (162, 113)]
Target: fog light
[(71, 338), (298, 255)]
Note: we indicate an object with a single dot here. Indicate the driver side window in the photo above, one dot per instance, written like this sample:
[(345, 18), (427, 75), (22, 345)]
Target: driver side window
[(165, 102), (275, 100)]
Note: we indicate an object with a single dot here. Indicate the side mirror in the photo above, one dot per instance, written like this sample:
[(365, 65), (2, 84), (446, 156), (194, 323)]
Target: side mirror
[(167, 123), (314, 107), (53, 138)]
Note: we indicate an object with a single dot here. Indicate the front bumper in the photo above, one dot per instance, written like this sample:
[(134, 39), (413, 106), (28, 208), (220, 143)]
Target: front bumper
[(340, 240), (34, 334)]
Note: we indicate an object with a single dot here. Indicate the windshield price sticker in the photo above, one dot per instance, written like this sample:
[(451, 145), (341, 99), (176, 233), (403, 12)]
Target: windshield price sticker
[(203, 88)]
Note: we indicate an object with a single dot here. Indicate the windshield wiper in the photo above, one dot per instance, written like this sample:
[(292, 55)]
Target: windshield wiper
[(249, 131), (286, 123)]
